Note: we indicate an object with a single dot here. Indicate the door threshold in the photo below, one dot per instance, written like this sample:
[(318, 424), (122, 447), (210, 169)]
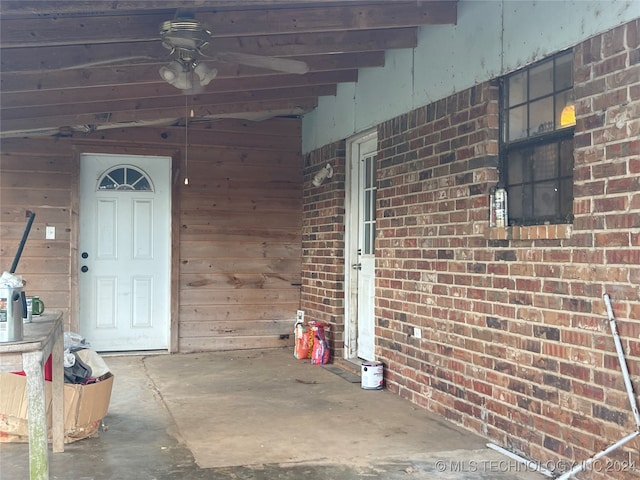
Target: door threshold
[(352, 365), (134, 353)]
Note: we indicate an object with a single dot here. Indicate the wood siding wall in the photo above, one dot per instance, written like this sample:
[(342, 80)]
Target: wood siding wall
[(38, 177), (515, 339), (237, 250)]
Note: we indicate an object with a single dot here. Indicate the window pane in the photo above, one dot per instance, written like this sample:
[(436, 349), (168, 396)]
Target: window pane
[(545, 199), (545, 161), (565, 110), (132, 176), (566, 158), (516, 167), (107, 184), (514, 200), (367, 238), (541, 80), (541, 113), (517, 89), (367, 172), (367, 205), (373, 205), (373, 238), (117, 175), (517, 123), (373, 171), (564, 71), (142, 184), (566, 198), (527, 201)]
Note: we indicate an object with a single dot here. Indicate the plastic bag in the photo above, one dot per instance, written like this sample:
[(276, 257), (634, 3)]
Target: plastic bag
[(320, 353), (73, 341), (11, 280), (69, 359), (303, 342)]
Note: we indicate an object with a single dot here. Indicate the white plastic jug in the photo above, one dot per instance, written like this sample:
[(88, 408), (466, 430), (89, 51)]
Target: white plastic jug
[(10, 314)]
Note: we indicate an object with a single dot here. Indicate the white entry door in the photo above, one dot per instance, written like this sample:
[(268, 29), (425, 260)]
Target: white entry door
[(125, 232), (362, 221)]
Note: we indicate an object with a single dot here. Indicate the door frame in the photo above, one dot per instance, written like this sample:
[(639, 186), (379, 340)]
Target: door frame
[(174, 261), (350, 350)]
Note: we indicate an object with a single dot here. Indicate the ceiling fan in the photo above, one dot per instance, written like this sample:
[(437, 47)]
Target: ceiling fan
[(186, 38)]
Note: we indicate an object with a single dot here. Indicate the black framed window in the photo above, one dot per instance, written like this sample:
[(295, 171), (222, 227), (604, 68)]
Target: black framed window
[(536, 142)]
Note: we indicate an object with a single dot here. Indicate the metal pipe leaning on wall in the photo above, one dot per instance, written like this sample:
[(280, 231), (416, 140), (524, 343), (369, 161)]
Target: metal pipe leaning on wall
[(586, 463), (530, 464), (25, 235), (622, 360), (632, 401)]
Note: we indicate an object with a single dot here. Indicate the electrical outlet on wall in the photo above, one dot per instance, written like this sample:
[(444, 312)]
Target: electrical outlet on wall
[(417, 332), (50, 233), (300, 316)]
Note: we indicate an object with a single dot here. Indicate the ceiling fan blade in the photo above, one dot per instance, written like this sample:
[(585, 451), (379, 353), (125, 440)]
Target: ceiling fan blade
[(270, 63), (111, 61)]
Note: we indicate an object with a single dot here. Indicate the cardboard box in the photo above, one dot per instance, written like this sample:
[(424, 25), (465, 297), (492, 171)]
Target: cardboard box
[(84, 408), (14, 407)]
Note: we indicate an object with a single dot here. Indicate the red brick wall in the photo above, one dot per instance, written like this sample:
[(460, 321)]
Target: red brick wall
[(515, 340), (444, 276), (322, 292)]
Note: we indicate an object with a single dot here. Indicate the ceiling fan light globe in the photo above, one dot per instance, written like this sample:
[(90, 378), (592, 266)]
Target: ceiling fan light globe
[(204, 73), (210, 76), (167, 74), (183, 81), (171, 71)]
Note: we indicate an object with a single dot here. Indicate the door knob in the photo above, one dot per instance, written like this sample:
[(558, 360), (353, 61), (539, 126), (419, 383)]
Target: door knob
[(84, 269), (84, 255), (357, 266)]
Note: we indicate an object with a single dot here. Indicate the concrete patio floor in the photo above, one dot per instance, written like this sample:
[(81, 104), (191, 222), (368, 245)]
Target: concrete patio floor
[(261, 414)]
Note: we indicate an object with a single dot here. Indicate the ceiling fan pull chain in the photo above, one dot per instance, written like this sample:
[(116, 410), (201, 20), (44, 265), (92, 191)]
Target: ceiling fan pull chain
[(186, 140)]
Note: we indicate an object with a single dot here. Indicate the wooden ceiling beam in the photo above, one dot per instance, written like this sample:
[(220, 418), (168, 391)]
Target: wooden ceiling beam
[(107, 109), (82, 30), (37, 8), (55, 58), (200, 134), (123, 75), (162, 89), (161, 116)]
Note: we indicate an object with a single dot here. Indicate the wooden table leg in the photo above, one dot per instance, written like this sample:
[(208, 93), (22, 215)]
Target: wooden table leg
[(38, 445), (57, 392)]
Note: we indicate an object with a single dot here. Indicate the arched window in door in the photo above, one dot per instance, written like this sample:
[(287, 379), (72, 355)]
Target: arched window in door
[(125, 177)]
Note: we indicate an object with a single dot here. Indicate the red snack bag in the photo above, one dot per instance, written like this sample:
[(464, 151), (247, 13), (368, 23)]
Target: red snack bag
[(320, 352)]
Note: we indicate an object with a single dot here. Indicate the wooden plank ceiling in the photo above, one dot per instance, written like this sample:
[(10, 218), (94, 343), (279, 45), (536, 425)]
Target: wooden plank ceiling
[(73, 67)]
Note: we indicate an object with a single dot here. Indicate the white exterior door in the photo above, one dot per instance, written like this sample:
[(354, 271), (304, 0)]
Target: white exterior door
[(362, 227), (125, 232)]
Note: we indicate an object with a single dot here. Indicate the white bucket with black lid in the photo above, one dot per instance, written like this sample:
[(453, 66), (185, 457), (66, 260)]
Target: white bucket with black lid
[(372, 376)]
